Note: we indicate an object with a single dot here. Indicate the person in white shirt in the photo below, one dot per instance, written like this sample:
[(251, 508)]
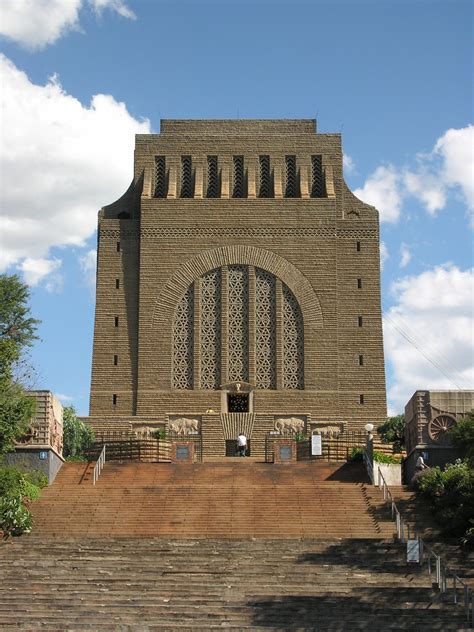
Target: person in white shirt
[(241, 444), (420, 464)]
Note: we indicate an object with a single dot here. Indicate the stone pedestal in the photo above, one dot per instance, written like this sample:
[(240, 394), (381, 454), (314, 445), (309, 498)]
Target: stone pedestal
[(182, 452), (284, 451)]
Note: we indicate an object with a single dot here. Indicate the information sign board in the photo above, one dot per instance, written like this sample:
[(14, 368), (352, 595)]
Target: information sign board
[(316, 445)]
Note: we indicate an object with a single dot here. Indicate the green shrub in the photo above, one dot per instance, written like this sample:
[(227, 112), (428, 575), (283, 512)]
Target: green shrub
[(356, 454), (463, 437), (77, 436), (390, 459), (36, 477), (76, 459), (451, 495), (160, 433), (393, 431), (15, 518)]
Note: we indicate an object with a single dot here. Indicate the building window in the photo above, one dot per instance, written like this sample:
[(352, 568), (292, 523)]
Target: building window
[(358, 246), (187, 180), (360, 321), (291, 178), (116, 321), (224, 337), (118, 246), (361, 399), (161, 184), (361, 360), (115, 360), (114, 399), (213, 184), (239, 189), (318, 181), (117, 284), (359, 284), (265, 187)]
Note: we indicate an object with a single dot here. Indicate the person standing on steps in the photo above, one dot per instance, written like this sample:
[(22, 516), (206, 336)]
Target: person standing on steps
[(241, 444)]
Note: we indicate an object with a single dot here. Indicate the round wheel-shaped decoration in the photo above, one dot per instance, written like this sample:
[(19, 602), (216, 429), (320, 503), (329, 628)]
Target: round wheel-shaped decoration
[(439, 428)]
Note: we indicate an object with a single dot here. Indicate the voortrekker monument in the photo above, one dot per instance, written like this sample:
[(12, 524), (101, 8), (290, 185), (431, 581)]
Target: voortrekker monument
[(238, 287)]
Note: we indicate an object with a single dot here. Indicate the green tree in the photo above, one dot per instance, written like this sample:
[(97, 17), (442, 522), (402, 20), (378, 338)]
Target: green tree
[(17, 332), (463, 437), (77, 436), (393, 431)]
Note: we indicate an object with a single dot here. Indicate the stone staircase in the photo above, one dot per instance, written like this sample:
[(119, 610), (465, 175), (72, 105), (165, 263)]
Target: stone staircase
[(240, 499), (236, 544), (141, 585)]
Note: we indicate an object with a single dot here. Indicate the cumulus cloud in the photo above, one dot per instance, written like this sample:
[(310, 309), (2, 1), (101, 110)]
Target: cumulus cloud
[(88, 265), (433, 177), (35, 24), (428, 333), (35, 270), (405, 255), (348, 163), (382, 190), (61, 162), (384, 254)]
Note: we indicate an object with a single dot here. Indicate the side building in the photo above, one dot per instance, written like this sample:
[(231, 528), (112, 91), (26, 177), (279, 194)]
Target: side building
[(238, 286)]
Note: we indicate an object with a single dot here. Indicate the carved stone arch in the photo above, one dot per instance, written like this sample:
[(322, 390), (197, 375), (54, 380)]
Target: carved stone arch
[(208, 260)]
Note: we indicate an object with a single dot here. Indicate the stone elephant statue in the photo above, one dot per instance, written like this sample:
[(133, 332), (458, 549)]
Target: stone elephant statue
[(184, 426), (289, 425)]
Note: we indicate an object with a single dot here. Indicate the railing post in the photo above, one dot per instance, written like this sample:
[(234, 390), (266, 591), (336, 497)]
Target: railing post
[(438, 570)]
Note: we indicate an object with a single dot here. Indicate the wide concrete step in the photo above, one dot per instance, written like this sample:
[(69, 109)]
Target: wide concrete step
[(159, 584)]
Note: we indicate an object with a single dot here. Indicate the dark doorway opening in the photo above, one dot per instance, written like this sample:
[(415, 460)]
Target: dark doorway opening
[(238, 403), (231, 447)]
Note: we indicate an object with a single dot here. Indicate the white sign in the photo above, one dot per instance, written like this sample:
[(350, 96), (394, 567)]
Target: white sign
[(316, 445), (413, 551)]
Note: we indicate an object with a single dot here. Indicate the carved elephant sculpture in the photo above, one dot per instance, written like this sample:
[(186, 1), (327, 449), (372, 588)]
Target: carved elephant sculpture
[(184, 426), (291, 425)]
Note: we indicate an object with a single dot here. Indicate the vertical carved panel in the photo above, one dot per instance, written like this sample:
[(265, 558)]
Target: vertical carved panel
[(187, 183), (318, 184), (239, 188), (265, 330), (161, 185), (183, 342), (211, 330), (293, 342), (238, 337), (291, 183), (265, 184), (213, 184)]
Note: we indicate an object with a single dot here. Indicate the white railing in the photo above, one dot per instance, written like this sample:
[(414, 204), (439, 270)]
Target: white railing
[(99, 466), (426, 553)]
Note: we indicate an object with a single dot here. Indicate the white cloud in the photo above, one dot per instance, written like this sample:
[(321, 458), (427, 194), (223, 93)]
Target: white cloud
[(432, 179), (65, 399), (383, 190), (348, 163), (384, 254), (35, 24), (405, 256), (61, 162), (435, 310), (88, 264), (36, 270)]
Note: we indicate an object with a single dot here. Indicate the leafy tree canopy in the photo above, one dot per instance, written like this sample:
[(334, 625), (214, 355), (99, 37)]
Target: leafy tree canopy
[(17, 331), (77, 436), (393, 431), (463, 437)]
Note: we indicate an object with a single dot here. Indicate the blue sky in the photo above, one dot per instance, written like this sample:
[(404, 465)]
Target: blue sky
[(394, 77)]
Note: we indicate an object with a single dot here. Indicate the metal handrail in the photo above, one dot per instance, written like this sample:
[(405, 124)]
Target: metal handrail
[(440, 567), (99, 466)]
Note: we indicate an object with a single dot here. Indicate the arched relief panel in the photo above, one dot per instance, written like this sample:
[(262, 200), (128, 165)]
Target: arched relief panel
[(208, 260)]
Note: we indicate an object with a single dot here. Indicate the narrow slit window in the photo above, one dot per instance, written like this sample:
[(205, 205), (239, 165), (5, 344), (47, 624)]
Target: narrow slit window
[(318, 180), (265, 188), (187, 184), (118, 246), (361, 399), (239, 189), (358, 246), (359, 284), (360, 321), (361, 360), (213, 184), (114, 399), (291, 177), (116, 321), (117, 284), (161, 183), (115, 360)]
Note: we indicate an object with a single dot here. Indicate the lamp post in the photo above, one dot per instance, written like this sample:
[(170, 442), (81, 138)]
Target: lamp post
[(370, 441)]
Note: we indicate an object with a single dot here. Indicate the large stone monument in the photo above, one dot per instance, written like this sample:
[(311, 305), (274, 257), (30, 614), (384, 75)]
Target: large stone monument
[(238, 285)]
